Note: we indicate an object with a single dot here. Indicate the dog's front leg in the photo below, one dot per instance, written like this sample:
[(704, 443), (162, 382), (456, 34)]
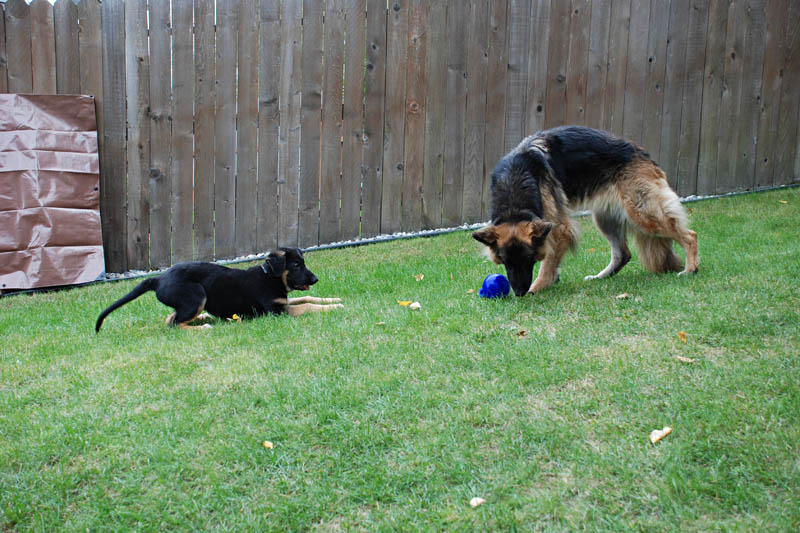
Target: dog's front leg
[(313, 300), (301, 309)]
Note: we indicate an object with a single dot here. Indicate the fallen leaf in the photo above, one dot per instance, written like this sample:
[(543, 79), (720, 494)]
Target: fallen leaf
[(623, 296), (470, 291), (415, 306), (476, 501), (419, 277), (404, 303), (783, 201), (590, 250), (658, 434), (380, 323), (683, 359), (267, 444), (522, 333), (235, 318), (682, 336), (451, 278)]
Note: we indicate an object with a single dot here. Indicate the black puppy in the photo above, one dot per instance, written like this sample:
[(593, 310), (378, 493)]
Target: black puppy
[(191, 288)]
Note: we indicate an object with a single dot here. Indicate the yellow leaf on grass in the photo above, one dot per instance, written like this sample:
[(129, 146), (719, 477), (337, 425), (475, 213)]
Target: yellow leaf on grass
[(419, 277), (404, 303), (476, 501), (682, 336), (783, 201), (658, 434), (470, 291), (267, 444), (683, 359), (380, 323)]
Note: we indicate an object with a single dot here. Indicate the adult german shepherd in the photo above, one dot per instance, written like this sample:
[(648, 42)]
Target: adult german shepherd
[(573, 167), (194, 287)]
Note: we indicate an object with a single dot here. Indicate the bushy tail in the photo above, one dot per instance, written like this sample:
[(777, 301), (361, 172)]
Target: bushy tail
[(656, 253), (149, 284)]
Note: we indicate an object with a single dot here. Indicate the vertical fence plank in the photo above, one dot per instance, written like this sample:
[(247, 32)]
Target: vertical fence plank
[(268, 124), (374, 115), (732, 82), (204, 139), (749, 107), (290, 95), (673, 90), (495, 96), (656, 72), (636, 72), (353, 117), (112, 154), (785, 169), (394, 105), (539, 44), (182, 132), (310, 124), (160, 135), (414, 144), (614, 102), (557, 65), (453, 182), (3, 52), (435, 97), (68, 66), (475, 117), (518, 47), (580, 26), (330, 188), (598, 63), (692, 99), (137, 77), (90, 45), (18, 34), (247, 128), (225, 132), (772, 79), (712, 95), (43, 47)]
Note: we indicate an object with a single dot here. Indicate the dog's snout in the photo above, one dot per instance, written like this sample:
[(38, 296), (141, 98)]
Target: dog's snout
[(312, 279)]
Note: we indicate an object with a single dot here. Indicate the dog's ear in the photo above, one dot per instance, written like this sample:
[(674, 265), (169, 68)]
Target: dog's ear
[(487, 235), (538, 229), (275, 264)]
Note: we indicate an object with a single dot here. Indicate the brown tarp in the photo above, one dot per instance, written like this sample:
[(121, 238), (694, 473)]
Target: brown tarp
[(49, 191)]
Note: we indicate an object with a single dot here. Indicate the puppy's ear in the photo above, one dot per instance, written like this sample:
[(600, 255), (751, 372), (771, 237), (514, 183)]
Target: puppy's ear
[(275, 264), (487, 235), (538, 229)]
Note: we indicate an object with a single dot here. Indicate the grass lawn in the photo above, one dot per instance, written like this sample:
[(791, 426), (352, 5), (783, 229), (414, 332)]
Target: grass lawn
[(386, 418)]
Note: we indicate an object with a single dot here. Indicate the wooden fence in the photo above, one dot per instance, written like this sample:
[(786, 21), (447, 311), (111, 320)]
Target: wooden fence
[(230, 127)]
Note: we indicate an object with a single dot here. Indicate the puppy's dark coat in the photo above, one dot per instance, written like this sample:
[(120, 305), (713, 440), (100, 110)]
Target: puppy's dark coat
[(573, 167), (194, 287)]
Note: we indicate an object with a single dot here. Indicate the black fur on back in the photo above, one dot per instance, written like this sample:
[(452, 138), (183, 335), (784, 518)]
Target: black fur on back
[(516, 194), (584, 159)]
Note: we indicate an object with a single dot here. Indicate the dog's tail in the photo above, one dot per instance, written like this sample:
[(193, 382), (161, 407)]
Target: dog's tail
[(149, 284), (656, 253)]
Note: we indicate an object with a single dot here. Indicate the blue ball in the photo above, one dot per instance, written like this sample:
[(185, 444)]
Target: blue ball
[(495, 286)]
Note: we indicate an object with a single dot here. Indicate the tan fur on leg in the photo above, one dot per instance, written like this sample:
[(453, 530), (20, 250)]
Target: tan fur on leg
[(301, 309), (313, 300)]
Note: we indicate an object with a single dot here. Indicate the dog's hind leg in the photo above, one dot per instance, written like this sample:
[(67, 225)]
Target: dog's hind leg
[(613, 229)]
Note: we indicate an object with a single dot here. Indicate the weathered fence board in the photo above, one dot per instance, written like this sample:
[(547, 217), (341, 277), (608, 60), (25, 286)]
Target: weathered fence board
[(247, 128), (229, 128), (137, 85), (435, 97), (268, 125), (330, 187), (374, 117), (68, 64), (353, 117), (414, 142)]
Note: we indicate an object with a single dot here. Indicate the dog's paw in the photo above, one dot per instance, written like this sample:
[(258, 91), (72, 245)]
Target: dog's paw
[(590, 277), (687, 273)]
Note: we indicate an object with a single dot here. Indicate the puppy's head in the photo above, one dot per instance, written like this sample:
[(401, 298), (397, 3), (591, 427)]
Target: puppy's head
[(289, 265), (517, 246)]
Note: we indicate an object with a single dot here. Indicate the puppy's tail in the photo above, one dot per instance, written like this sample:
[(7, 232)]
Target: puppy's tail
[(656, 253), (149, 284)]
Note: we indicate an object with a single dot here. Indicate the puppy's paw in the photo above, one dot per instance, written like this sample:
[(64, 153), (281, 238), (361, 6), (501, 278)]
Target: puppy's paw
[(590, 277), (687, 272)]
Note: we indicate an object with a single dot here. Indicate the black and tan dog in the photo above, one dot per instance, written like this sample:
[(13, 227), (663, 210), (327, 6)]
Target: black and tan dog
[(573, 167), (195, 287)]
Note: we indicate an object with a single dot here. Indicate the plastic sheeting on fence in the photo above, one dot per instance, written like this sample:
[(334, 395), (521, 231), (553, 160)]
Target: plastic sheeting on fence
[(49, 191)]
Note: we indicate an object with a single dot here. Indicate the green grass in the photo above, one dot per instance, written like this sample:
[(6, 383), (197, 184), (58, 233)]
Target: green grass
[(396, 426)]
